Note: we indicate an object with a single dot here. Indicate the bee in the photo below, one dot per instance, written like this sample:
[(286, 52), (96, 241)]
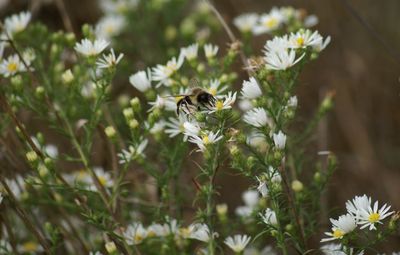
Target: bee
[(197, 99)]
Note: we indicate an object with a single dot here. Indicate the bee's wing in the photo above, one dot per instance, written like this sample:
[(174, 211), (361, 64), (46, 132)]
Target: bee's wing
[(194, 83)]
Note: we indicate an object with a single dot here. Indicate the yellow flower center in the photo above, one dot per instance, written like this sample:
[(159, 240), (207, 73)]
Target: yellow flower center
[(12, 67), (219, 105), (374, 217), (206, 140), (337, 233), (300, 41), (212, 91), (138, 238), (102, 180), (109, 29), (30, 246), (151, 233), (271, 23)]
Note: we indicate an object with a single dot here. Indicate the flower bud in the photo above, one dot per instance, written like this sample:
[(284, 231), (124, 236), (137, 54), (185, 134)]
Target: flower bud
[(128, 113), (43, 171), (297, 186), (31, 156), (133, 123), (222, 209), (67, 76), (234, 150), (135, 103), (111, 247), (201, 68), (317, 177), (170, 33), (110, 131), (39, 92), (16, 81)]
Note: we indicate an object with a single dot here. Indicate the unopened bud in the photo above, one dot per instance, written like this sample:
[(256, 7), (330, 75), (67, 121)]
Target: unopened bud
[(222, 209), (297, 186), (110, 131), (133, 123), (31, 156), (67, 76), (111, 247), (39, 92), (128, 113)]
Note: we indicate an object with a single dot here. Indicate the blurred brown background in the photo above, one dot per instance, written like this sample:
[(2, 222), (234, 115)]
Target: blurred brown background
[(362, 130)]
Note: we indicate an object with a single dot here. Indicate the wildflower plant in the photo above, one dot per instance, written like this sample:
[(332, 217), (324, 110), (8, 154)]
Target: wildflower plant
[(116, 178)]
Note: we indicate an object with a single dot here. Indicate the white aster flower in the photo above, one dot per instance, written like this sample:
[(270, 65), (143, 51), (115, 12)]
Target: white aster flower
[(157, 230), (161, 102), (269, 22), (175, 126), (262, 187), (336, 249), (282, 59), (109, 61), (141, 81), (205, 140), (51, 150), (89, 48), (292, 102), (210, 50), (250, 198), (279, 140), (257, 140), (224, 105), (257, 117), (17, 23), (343, 225), (190, 52), (251, 89), (238, 242), (357, 204), (30, 247), (245, 22), (274, 175), (191, 128), (276, 44), (16, 185), (163, 73), (269, 217), (135, 234), (11, 66), (310, 20), (245, 105), (104, 178), (132, 152), (322, 45), (109, 26), (373, 215), (158, 127), (200, 232), (304, 38), (215, 88), (243, 211)]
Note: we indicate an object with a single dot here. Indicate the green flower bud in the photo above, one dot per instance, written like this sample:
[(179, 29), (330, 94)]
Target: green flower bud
[(67, 77), (133, 123), (110, 131), (128, 113), (111, 247), (317, 177), (135, 103), (297, 186), (31, 156), (201, 68), (170, 33), (16, 82)]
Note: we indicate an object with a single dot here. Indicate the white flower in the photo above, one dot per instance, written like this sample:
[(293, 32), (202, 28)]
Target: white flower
[(369, 217), (269, 217), (191, 51), (210, 50), (243, 211), (292, 102), (357, 204), (238, 242), (279, 140), (262, 187), (245, 105), (109, 26), (166, 103), (191, 128), (250, 198), (175, 126), (322, 45), (17, 23), (206, 139), (224, 105), (16, 185), (257, 117), (11, 66), (200, 232), (278, 43), (104, 178), (345, 224), (132, 152), (89, 48), (274, 175), (51, 150), (215, 88), (157, 230), (251, 89), (269, 22), (141, 81), (310, 21), (304, 38), (135, 234), (30, 247), (282, 59), (336, 249), (245, 22), (157, 127), (162, 73), (257, 140), (109, 61)]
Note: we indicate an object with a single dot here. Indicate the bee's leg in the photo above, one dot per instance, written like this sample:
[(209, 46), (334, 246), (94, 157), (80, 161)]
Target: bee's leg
[(178, 106)]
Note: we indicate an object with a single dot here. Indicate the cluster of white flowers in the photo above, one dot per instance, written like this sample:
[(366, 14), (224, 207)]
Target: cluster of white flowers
[(282, 52), (237, 243), (136, 233), (360, 211), (274, 20), (132, 152)]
